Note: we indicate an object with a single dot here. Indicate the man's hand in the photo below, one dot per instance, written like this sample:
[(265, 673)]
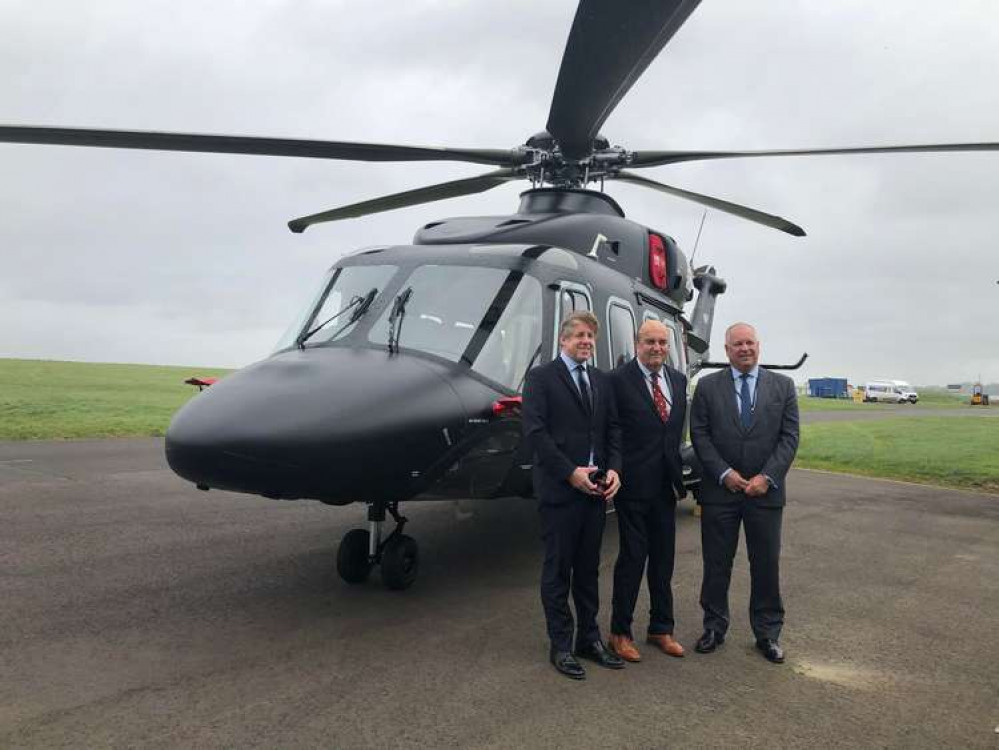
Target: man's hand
[(611, 485), (735, 482), (580, 479), (758, 486)]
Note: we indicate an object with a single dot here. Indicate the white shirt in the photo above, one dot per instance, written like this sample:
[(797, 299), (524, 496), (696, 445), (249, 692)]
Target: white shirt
[(663, 382)]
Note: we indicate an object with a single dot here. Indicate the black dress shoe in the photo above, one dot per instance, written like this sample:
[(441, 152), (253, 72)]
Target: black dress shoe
[(566, 664), (599, 653), (771, 650), (708, 642)]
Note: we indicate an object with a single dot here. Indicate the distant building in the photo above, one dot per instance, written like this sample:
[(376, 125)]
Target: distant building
[(827, 388)]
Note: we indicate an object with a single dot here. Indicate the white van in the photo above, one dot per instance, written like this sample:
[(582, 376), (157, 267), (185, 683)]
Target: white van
[(908, 392), (883, 391)]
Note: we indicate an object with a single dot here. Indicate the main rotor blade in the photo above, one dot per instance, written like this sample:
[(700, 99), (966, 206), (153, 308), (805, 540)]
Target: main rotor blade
[(610, 45), (427, 194), (235, 144), (657, 158), (752, 214)]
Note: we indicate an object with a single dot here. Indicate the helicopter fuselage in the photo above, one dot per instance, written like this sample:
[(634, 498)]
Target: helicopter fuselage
[(414, 396)]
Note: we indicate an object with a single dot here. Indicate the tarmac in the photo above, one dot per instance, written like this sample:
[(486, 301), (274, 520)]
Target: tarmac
[(140, 612)]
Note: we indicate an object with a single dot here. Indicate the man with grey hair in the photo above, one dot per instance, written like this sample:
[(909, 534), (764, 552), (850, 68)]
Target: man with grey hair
[(570, 424), (744, 427)]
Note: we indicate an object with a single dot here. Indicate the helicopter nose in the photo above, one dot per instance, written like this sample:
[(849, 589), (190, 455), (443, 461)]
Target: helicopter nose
[(322, 423)]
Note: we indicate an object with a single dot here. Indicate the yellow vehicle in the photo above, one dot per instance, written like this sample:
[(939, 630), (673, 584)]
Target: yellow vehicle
[(978, 398)]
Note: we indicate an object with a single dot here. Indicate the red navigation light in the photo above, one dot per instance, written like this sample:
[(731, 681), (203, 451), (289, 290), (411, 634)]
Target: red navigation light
[(507, 407), (657, 261)]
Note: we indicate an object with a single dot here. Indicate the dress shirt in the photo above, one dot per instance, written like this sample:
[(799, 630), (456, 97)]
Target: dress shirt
[(754, 376), (663, 382), (573, 366)]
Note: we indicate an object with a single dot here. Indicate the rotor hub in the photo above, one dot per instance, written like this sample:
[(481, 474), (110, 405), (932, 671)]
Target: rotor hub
[(546, 164)]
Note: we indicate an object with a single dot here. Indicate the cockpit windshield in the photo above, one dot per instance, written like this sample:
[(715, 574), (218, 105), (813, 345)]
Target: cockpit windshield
[(344, 296), (487, 318)]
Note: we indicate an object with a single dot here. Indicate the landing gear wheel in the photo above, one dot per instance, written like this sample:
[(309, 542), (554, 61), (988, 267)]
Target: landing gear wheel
[(400, 562), (352, 558)]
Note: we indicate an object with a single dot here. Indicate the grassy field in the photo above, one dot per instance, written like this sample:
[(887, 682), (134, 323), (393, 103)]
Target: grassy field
[(949, 451), (50, 400), (41, 400), (930, 398)]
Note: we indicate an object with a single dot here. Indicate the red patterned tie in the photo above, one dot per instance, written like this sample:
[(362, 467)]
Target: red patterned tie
[(662, 405)]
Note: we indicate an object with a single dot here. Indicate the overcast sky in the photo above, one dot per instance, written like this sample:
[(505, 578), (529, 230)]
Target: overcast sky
[(186, 259)]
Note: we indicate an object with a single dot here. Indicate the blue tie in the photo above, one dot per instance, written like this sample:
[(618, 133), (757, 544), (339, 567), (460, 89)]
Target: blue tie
[(746, 407)]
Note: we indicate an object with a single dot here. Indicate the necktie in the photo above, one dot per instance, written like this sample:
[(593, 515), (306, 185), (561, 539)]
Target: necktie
[(662, 405), (584, 389), (746, 405)]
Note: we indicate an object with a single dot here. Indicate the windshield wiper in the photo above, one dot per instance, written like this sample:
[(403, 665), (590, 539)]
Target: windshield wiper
[(534, 357), (358, 304), (395, 318)]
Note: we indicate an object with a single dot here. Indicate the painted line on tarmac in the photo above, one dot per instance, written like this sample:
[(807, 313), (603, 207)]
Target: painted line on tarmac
[(977, 493)]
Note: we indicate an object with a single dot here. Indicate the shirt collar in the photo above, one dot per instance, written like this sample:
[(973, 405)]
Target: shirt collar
[(570, 363), (647, 372), (753, 374)]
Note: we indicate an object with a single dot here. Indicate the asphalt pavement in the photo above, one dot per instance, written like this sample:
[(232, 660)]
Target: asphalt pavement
[(140, 612)]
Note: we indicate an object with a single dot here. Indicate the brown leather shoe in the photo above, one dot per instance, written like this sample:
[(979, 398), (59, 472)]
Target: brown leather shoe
[(666, 643), (624, 647)]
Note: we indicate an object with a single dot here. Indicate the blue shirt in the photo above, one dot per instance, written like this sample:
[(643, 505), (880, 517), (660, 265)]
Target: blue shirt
[(754, 376), (573, 366)]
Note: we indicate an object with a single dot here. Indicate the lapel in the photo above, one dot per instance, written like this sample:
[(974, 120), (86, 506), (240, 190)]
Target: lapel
[(763, 383), (637, 379), (570, 383), (675, 394), (729, 404)]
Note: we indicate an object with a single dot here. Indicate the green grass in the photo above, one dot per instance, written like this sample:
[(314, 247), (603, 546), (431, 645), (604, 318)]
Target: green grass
[(42, 400), (950, 451), (930, 398)]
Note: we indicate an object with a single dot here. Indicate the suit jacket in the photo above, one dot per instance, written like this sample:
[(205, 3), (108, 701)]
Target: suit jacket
[(767, 446), (652, 467), (560, 431)]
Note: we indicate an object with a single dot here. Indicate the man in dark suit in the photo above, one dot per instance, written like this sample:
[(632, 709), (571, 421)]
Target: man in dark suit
[(570, 421), (651, 403), (744, 427)]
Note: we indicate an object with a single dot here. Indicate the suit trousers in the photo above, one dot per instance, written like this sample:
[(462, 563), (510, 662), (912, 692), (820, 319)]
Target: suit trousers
[(647, 531), (572, 533), (719, 541)]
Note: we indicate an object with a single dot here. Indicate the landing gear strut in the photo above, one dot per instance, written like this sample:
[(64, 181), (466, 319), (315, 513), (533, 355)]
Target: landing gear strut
[(362, 549)]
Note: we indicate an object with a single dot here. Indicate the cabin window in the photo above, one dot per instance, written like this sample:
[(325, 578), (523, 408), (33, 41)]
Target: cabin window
[(570, 301), (676, 352), (622, 333)]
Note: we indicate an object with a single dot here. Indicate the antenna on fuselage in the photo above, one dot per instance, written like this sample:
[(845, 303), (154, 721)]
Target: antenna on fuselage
[(698, 239)]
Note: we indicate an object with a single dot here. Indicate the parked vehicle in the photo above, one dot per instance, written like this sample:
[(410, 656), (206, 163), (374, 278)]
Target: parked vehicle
[(883, 391), (907, 391)]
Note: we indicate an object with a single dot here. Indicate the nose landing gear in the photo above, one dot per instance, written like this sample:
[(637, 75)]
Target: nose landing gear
[(362, 549)]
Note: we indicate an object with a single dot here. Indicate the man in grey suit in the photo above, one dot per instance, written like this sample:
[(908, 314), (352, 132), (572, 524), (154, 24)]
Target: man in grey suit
[(744, 427)]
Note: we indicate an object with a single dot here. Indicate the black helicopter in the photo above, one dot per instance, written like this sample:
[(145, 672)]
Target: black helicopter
[(400, 379)]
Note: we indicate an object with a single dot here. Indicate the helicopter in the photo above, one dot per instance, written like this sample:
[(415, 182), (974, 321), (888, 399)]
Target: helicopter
[(399, 380)]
